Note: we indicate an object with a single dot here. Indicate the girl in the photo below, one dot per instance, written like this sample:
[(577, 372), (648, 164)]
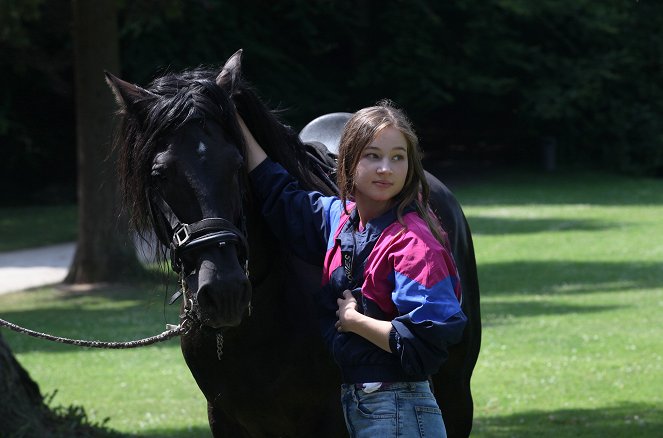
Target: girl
[(389, 302)]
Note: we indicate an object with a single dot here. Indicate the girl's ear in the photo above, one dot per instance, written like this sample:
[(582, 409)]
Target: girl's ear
[(230, 72)]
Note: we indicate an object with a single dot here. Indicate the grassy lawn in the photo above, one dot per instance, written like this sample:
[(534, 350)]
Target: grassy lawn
[(147, 392), (571, 271), (28, 227)]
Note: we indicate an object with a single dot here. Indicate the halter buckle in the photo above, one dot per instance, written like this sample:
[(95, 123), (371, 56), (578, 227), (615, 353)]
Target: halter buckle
[(182, 235)]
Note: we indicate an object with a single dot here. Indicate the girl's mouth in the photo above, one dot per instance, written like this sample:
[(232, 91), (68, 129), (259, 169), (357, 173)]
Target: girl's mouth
[(383, 184)]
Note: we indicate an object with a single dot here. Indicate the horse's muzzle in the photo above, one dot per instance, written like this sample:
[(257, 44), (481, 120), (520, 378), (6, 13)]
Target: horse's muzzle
[(223, 290)]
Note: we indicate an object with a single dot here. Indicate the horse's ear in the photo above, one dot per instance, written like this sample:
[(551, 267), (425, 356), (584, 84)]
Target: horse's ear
[(126, 94), (231, 71)]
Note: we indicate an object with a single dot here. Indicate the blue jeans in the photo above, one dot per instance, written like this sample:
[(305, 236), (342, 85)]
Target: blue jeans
[(402, 409)]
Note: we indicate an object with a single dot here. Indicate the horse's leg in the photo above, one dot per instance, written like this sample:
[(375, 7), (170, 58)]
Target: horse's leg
[(199, 350), (452, 384), (453, 393)]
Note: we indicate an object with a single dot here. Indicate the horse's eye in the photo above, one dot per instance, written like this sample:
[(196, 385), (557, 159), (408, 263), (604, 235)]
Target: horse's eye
[(158, 172)]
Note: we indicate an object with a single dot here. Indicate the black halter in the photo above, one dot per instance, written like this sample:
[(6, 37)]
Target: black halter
[(182, 238)]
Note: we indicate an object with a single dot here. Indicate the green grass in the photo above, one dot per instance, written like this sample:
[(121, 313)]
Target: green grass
[(28, 227), (147, 392), (571, 271)]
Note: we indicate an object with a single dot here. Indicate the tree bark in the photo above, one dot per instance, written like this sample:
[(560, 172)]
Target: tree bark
[(22, 410), (104, 252)]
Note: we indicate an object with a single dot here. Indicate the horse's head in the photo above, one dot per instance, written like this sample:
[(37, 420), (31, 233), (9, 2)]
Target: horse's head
[(182, 175)]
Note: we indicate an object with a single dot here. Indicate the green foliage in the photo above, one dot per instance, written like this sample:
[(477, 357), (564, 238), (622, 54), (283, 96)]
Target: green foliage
[(14, 16), (28, 227), (36, 99), (494, 77), (481, 80), (73, 422)]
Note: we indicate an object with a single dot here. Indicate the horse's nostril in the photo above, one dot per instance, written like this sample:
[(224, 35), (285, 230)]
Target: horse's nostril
[(223, 303), (203, 298)]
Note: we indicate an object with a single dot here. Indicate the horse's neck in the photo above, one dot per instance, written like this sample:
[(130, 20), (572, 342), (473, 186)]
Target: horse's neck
[(279, 142), (286, 152), (315, 172)]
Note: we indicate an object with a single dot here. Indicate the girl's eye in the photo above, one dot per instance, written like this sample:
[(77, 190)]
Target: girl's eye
[(398, 157)]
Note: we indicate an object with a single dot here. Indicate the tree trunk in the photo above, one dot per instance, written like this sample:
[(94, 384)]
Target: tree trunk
[(105, 252), (22, 410)]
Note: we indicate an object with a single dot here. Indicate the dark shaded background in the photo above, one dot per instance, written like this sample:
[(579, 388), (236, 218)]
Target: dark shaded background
[(489, 83)]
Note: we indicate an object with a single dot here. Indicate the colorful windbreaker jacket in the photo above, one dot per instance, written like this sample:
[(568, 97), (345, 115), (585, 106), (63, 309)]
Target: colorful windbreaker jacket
[(398, 273)]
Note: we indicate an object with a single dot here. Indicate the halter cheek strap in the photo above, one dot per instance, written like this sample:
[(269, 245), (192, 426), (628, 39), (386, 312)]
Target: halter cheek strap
[(182, 238)]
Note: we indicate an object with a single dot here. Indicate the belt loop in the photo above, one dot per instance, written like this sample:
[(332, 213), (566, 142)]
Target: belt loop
[(355, 397)]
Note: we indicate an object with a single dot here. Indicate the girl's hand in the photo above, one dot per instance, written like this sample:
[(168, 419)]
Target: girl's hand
[(347, 312), (351, 320)]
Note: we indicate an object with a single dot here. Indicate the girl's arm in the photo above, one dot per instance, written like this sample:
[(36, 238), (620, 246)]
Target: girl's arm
[(425, 328), (254, 153), (350, 320), (427, 295), (302, 220)]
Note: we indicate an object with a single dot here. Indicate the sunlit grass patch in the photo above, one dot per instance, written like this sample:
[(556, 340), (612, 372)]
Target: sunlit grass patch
[(571, 273), (145, 392)]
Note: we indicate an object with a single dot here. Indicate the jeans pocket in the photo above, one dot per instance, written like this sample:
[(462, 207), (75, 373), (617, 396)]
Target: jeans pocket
[(377, 405), (429, 420)]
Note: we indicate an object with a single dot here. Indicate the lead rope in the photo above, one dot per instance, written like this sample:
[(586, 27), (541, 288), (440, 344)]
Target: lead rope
[(219, 345), (187, 311), (172, 331)]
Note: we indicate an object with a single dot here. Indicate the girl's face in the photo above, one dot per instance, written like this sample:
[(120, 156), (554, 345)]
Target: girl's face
[(381, 172)]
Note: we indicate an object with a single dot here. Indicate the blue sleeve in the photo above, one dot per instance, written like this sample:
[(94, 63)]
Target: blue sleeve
[(302, 220), (423, 347), (430, 318)]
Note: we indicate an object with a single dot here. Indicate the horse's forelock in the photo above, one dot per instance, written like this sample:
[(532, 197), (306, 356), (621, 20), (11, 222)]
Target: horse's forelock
[(175, 99), (182, 98)]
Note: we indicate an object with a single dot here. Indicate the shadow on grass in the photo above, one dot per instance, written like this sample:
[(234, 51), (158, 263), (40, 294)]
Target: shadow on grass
[(500, 313), (151, 287), (488, 225), (567, 278), (625, 420), (194, 432), (101, 432)]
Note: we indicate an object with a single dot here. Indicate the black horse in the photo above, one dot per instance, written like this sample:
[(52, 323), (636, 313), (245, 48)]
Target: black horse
[(253, 346)]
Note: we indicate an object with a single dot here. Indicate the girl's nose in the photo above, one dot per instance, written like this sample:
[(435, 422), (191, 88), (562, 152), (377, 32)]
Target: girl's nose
[(384, 167)]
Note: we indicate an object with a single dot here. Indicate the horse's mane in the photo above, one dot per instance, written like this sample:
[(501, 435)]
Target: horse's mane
[(280, 141), (172, 100), (193, 95)]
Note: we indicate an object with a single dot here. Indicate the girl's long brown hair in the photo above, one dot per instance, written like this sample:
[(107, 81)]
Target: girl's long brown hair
[(360, 130)]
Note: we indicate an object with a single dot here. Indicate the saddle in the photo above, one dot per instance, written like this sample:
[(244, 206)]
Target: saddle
[(321, 137)]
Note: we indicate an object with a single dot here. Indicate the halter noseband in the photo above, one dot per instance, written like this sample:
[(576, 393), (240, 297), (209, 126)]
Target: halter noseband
[(183, 238)]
